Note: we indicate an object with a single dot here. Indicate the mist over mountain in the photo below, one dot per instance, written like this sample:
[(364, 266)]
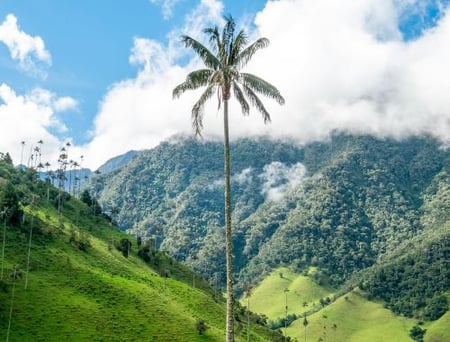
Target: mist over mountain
[(343, 205)]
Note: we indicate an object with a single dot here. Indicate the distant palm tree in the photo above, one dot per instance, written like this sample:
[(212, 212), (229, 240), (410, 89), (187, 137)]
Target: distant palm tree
[(305, 324), (40, 142), (4, 213), (34, 200), (222, 76), (15, 275), (248, 293), (21, 152)]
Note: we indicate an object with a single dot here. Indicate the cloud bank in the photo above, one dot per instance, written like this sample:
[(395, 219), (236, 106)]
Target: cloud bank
[(31, 117), (340, 66)]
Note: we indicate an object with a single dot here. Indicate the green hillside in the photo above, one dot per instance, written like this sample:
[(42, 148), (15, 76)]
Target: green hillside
[(83, 286), (270, 296), (346, 207), (353, 318)]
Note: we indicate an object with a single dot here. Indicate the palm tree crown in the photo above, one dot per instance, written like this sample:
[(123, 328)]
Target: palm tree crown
[(223, 76)]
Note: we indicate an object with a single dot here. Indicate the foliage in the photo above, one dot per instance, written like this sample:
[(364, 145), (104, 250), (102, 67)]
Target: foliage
[(108, 297), (341, 206), (417, 333), (201, 326)]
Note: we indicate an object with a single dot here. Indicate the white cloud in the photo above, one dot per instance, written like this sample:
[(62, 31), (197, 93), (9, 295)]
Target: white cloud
[(139, 113), (30, 118), (167, 6), (341, 65), (279, 178), (337, 71), (28, 51)]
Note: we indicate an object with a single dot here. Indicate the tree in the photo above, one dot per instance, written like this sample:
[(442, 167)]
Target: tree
[(417, 333), (222, 76), (4, 214), (34, 200), (201, 326), (15, 274), (248, 293), (21, 152), (305, 324)]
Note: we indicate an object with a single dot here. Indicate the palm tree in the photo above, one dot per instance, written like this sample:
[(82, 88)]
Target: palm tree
[(222, 76), (286, 313), (305, 324), (34, 200), (15, 274), (4, 213), (21, 153), (248, 293)]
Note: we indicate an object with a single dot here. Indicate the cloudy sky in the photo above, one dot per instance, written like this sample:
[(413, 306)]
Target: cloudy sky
[(100, 74)]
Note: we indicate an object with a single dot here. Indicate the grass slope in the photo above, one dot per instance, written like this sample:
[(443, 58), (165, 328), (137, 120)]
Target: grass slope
[(269, 297), (439, 331), (351, 318), (97, 295)]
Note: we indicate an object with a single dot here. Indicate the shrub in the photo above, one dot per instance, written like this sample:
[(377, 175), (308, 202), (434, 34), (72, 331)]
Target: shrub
[(201, 326)]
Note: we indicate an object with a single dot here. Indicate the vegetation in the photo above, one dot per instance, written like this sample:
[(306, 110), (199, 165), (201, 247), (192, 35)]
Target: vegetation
[(222, 76), (81, 288), (341, 206)]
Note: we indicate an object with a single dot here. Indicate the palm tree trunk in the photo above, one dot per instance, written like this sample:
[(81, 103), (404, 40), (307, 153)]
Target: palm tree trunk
[(29, 252), (3, 244), (228, 237), (11, 310)]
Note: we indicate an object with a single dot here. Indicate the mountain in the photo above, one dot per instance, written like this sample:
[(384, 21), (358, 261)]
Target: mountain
[(347, 206), (68, 274), (75, 178), (118, 162)]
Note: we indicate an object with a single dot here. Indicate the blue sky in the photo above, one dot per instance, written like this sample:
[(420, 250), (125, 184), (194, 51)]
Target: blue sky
[(99, 73)]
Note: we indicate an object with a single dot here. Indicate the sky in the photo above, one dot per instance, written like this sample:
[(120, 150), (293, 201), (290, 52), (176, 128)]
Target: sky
[(100, 74)]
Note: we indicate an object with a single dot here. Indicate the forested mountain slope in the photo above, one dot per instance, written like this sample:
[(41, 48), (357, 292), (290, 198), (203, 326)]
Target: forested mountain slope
[(68, 274), (344, 205)]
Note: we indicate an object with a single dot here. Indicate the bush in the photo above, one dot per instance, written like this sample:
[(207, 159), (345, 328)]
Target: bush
[(201, 326), (417, 333)]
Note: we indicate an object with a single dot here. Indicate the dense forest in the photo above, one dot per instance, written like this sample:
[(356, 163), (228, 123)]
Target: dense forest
[(345, 206)]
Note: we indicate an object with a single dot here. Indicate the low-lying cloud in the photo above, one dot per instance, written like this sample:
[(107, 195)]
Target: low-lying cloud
[(340, 66), (278, 178)]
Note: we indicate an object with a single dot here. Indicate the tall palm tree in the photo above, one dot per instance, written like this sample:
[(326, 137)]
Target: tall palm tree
[(15, 275), (4, 214), (222, 76), (248, 293), (21, 152)]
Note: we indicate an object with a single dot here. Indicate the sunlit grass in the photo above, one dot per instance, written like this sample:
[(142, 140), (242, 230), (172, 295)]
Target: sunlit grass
[(98, 294)]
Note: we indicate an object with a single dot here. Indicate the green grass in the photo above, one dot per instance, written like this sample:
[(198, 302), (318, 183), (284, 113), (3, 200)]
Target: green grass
[(99, 295), (353, 318), (269, 297), (438, 331)]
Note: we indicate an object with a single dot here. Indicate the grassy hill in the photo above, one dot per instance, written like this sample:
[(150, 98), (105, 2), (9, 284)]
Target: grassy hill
[(80, 286), (269, 297), (352, 317)]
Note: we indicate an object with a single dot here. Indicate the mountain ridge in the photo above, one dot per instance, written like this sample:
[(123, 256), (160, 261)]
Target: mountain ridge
[(338, 205)]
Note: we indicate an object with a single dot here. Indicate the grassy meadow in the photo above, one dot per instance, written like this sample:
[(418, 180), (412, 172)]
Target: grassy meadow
[(97, 294)]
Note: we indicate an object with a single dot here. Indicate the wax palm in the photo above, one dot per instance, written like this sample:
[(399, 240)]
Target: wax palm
[(222, 76)]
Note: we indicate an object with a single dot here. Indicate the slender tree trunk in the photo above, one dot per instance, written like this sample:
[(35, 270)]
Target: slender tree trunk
[(11, 310), (29, 252), (3, 245), (228, 237), (248, 319)]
